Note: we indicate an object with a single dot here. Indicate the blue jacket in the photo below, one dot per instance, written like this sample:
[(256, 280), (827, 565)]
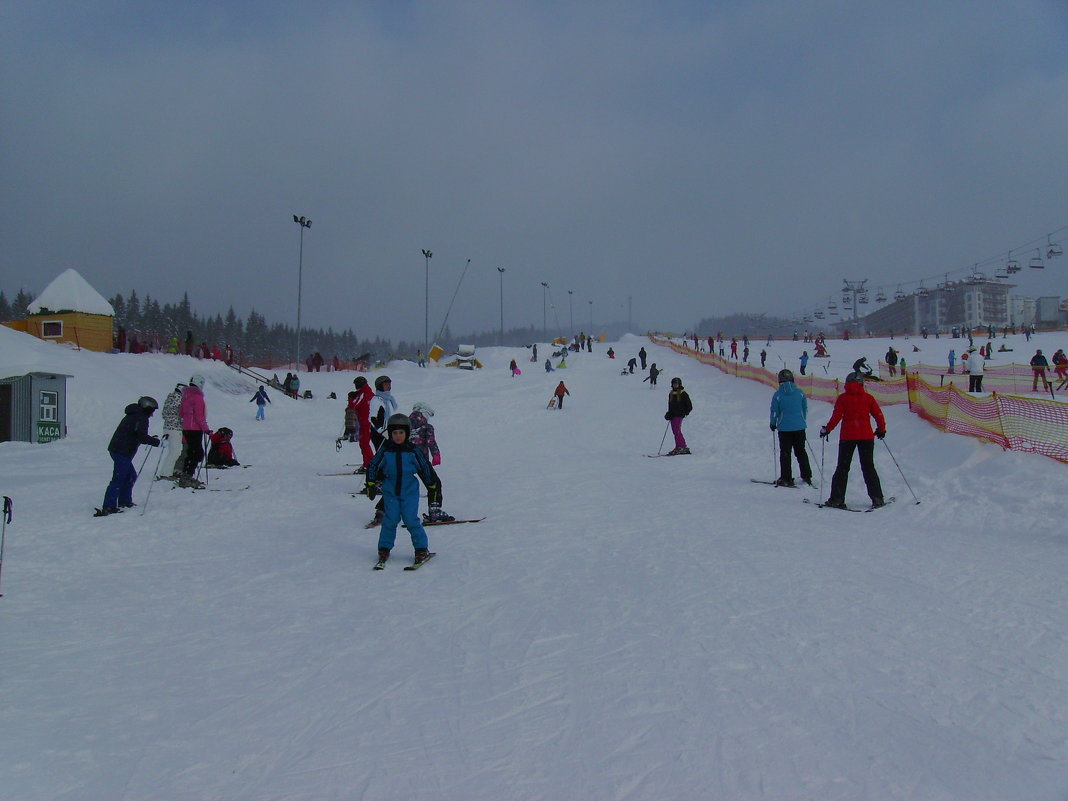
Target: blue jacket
[(395, 467), (789, 408)]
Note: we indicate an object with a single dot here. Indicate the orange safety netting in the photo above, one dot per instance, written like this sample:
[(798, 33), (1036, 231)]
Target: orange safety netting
[(1037, 424)]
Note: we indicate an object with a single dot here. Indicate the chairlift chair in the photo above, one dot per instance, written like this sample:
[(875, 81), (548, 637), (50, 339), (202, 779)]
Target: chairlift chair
[(1053, 250), (863, 299), (1036, 262), (881, 297)]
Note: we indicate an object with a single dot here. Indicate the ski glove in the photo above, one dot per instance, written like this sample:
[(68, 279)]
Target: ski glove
[(154, 442), (824, 433), (880, 433), (667, 415), (772, 426), (371, 490), (435, 460)]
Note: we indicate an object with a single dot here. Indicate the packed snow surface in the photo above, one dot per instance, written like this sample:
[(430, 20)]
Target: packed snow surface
[(617, 628)]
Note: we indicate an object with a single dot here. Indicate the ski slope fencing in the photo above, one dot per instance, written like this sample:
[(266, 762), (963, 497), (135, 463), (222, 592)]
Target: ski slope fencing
[(1031, 425)]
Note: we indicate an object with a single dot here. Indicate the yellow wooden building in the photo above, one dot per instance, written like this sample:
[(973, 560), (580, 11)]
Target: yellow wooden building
[(70, 310)]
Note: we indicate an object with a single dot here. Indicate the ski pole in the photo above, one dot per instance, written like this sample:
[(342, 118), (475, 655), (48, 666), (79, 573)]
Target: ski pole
[(773, 467), (155, 476), (3, 531), (663, 439), (901, 471), (823, 451), (141, 469), (809, 444)]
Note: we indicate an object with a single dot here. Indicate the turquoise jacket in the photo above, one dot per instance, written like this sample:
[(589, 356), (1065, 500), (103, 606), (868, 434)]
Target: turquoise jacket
[(789, 408)]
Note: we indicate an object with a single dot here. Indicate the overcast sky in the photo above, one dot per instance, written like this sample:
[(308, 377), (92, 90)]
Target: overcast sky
[(697, 158)]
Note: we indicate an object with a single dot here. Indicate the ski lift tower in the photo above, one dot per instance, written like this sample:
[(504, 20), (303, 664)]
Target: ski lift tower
[(856, 288)]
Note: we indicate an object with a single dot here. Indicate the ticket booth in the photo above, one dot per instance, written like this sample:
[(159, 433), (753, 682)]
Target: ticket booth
[(33, 407)]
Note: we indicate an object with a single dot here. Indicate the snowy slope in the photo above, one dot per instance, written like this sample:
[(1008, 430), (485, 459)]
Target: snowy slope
[(618, 628)]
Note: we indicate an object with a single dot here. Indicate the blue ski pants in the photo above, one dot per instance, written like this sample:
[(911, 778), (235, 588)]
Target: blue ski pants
[(394, 510), (120, 490)]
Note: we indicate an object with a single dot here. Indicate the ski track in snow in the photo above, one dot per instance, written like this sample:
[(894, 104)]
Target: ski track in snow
[(618, 627)]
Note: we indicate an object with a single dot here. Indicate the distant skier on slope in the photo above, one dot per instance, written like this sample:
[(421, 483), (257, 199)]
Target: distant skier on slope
[(424, 440), (679, 406)]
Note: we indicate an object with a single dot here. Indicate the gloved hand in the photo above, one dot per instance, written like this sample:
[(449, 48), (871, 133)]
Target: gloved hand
[(772, 426), (880, 433), (337, 444), (824, 433), (435, 460), (370, 489), (155, 442)]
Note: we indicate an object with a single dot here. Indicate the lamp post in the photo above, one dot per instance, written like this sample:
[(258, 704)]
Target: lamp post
[(427, 255), (591, 318), (544, 325), (303, 222), (571, 316), (501, 271)]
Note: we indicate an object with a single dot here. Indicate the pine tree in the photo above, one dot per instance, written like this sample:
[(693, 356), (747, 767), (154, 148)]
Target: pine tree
[(5, 307), (20, 307)]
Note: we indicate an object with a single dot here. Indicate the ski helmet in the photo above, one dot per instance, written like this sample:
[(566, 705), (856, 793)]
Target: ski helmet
[(381, 381), (148, 403), (675, 381), (423, 408), (785, 375), (360, 382), (226, 432), (197, 381), (399, 422), (857, 378)]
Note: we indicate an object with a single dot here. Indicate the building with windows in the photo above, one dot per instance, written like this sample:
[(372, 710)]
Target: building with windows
[(972, 303), (33, 407), (70, 310)]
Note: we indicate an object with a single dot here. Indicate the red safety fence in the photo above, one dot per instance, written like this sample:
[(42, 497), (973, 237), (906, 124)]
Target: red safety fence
[(1032, 424)]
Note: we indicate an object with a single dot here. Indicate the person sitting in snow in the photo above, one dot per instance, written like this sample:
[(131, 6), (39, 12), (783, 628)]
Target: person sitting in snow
[(221, 452)]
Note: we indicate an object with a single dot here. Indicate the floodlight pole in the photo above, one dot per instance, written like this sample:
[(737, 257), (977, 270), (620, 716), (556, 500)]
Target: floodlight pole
[(501, 271), (427, 255), (303, 222), (544, 324)]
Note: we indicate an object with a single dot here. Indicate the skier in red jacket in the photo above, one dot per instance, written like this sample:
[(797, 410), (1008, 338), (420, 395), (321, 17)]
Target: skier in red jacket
[(854, 408)]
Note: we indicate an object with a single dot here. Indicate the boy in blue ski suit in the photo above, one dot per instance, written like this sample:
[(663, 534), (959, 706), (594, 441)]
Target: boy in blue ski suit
[(131, 433), (393, 471)]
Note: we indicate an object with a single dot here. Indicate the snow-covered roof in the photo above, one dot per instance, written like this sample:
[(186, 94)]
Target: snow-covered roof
[(70, 292)]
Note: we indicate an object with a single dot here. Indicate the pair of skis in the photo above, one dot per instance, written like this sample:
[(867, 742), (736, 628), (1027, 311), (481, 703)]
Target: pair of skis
[(377, 523), (886, 502)]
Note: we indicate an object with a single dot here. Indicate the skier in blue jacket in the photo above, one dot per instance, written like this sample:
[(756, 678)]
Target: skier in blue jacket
[(393, 471), (789, 413)]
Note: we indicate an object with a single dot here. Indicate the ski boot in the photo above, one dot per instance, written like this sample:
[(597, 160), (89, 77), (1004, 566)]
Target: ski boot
[(682, 451), (375, 521), (130, 505), (877, 503), (436, 515), (190, 483), (784, 482), (107, 510), (421, 555), (835, 504)]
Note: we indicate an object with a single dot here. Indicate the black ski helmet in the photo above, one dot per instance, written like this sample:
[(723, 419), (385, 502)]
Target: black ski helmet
[(148, 403), (676, 380), (785, 375), (381, 381), (857, 378), (359, 382), (397, 422)]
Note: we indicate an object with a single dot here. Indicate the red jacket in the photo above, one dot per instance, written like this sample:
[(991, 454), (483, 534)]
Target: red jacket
[(363, 405), (854, 408)]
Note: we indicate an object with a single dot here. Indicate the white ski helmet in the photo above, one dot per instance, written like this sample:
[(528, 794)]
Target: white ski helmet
[(423, 408), (197, 381)]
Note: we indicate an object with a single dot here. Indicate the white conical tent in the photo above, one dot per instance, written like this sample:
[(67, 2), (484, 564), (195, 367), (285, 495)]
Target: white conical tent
[(70, 292)]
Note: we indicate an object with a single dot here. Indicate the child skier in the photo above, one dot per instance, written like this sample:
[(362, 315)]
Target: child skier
[(364, 394), (789, 413), (853, 408), (221, 452), (352, 420), (424, 440), (261, 399), (679, 406), (392, 472), (131, 433)]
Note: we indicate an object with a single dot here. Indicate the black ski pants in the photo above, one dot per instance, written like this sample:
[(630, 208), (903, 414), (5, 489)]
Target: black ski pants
[(866, 449), (793, 442), (194, 450)]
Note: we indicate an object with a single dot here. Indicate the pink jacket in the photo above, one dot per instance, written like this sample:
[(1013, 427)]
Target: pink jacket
[(194, 414)]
